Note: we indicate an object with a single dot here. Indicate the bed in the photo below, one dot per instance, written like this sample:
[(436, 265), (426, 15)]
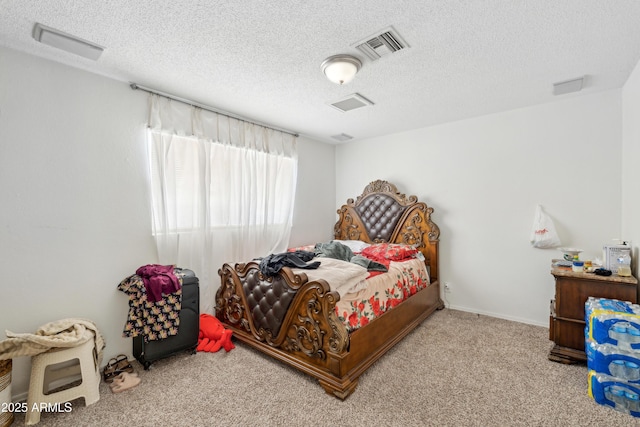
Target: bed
[(295, 320)]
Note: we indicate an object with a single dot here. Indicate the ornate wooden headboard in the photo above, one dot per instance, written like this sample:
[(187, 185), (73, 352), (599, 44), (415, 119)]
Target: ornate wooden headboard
[(383, 214)]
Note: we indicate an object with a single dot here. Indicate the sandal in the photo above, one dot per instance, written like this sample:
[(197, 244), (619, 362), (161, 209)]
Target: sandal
[(109, 372), (124, 381), (123, 365), (115, 367)]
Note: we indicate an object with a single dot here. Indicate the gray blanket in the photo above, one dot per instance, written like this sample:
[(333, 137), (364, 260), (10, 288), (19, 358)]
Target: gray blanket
[(342, 252)]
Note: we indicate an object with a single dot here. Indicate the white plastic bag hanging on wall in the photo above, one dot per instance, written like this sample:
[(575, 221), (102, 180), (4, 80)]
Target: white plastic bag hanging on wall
[(543, 234)]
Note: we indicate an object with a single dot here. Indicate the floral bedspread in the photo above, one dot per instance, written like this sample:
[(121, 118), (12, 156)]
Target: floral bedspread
[(384, 291)]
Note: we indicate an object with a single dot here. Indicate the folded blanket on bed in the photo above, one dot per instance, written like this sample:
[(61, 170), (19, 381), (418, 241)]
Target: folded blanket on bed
[(342, 276), (342, 252)]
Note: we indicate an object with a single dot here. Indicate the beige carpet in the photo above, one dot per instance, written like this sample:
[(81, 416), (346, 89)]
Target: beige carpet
[(456, 369)]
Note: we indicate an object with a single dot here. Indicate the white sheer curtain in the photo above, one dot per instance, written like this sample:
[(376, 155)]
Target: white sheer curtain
[(222, 190)]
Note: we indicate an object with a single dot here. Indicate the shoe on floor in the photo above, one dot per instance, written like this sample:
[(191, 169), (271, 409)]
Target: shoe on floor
[(124, 381), (115, 367)]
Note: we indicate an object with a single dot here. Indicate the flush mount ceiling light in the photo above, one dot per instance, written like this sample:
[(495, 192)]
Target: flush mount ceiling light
[(66, 42), (341, 69)]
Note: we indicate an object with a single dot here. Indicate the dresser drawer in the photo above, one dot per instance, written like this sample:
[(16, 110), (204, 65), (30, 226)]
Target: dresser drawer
[(567, 333), (571, 294)]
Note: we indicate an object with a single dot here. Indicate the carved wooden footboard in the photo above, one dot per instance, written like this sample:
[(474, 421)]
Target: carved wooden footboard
[(293, 319), (300, 328)]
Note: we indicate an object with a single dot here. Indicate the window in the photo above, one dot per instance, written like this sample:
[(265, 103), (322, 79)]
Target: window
[(225, 195)]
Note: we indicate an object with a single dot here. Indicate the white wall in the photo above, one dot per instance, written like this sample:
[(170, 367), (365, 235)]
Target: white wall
[(484, 177), (75, 217), (314, 214), (631, 163)]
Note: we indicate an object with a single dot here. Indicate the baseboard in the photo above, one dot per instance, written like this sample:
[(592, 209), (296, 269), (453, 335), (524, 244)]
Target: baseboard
[(497, 315), (20, 397)]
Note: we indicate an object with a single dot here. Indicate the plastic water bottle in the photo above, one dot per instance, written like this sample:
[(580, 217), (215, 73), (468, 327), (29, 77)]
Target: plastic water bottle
[(618, 332), (624, 369), (621, 364), (617, 368), (624, 265), (626, 334), (633, 400), (633, 334), (631, 370), (616, 395)]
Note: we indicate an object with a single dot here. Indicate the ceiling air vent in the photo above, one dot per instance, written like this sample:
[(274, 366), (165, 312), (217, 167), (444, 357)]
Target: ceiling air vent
[(568, 86), (342, 137), (383, 43), (351, 102)]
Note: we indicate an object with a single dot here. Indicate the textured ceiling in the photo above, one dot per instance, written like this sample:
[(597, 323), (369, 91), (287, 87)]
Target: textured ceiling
[(261, 59)]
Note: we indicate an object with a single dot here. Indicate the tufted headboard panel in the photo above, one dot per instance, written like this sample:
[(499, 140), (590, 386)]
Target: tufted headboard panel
[(268, 301), (383, 214), (380, 214)]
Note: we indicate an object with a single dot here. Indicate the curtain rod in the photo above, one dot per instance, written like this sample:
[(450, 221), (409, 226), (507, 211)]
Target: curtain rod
[(136, 86)]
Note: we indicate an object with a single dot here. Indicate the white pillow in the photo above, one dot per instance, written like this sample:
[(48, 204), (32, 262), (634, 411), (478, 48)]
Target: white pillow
[(356, 246)]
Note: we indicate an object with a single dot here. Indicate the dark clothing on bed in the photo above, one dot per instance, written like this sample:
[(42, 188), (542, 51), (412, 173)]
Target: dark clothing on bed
[(369, 264), (272, 264), (334, 250)]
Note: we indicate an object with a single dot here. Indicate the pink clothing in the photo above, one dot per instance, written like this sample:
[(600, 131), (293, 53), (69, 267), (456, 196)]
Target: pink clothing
[(158, 280)]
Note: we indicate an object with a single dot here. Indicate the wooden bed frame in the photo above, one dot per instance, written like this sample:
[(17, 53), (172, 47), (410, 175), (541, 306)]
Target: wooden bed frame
[(294, 321)]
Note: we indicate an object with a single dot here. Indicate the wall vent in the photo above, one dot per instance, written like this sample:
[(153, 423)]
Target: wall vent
[(351, 102), (342, 137), (383, 43), (568, 86)]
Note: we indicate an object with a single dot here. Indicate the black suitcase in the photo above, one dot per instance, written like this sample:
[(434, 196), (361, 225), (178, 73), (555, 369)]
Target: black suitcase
[(187, 338)]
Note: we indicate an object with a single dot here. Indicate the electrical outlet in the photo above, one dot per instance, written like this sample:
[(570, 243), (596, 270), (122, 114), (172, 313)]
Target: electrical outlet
[(447, 287)]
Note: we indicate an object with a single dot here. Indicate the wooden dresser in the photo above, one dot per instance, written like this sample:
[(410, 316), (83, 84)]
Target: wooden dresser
[(566, 322)]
